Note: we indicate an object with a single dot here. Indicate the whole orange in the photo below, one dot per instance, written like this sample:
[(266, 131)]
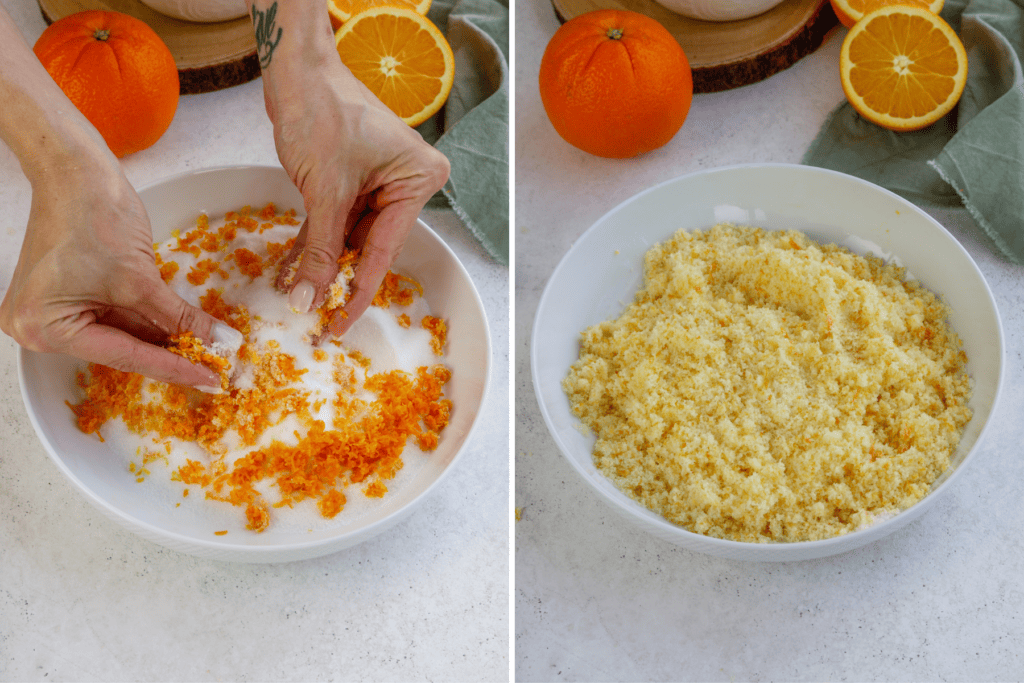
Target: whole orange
[(117, 71), (615, 83)]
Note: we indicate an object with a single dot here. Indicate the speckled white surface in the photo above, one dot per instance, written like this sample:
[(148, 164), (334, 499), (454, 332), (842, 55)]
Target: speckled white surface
[(83, 600), (595, 600)]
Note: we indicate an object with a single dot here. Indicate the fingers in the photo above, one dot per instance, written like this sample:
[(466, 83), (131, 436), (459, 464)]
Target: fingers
[(119, 350), (384, 238), (322, 241), (157, 303), (171, 314)]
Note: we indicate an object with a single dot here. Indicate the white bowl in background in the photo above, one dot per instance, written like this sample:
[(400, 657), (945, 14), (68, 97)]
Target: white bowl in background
[(203, 11), (48, 380), (719, 10), (603, 270)]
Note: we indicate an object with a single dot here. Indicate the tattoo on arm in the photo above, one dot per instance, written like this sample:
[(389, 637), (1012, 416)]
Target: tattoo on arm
[(266, 42)]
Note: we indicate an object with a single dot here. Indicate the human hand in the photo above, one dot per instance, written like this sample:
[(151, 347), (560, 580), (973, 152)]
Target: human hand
[(86, 283), (363, 173)]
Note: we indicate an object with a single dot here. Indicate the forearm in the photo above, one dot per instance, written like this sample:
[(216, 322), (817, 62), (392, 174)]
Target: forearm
[(38, 122)]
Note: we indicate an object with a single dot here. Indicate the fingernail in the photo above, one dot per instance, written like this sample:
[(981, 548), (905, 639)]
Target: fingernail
[(211, 390), (301, 297), (227, 336)]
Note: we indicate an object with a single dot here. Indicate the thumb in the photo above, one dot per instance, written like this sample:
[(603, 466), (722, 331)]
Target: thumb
[(323, 240)]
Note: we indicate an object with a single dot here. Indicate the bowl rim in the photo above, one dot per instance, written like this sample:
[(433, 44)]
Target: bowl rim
[(736, 549), (254, 553), (700, 10)]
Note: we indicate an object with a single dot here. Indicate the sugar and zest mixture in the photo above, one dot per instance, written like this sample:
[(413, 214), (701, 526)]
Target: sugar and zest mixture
[(362, 443), (764, 388)]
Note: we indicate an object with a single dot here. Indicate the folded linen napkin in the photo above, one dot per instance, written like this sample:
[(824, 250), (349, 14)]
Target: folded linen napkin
[(973, 157), (472, 128)]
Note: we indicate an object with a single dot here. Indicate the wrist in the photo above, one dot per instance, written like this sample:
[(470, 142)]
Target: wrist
[(292, 36), (47, 134), (65, 150)]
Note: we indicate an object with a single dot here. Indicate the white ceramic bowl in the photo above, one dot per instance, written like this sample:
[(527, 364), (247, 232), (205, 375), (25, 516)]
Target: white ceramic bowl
[(603, 270), (48, 380), (719, 10), (203, 11)]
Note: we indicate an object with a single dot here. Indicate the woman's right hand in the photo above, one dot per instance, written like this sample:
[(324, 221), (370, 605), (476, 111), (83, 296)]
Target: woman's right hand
[(87, 285)]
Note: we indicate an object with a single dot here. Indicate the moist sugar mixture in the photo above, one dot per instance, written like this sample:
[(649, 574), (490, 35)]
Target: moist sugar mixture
[(764, 388), (297, 424)]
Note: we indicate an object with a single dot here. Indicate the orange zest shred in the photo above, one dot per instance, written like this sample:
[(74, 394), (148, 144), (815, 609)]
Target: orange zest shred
[(236, 316), (277, 250), (364, 441), (375, 489), (438, 333), (248, 263), (167, 269), (331, 503), (202, 270), (392, 290)]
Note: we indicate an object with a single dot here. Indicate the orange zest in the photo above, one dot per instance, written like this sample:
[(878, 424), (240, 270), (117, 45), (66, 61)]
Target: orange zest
[(438, 329), (902, 67), (191, 348), (373, 415)]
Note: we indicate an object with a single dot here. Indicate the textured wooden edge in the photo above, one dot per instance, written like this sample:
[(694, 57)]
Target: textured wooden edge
[(198, 80), (780, 57), (805, 41), (219, 76)]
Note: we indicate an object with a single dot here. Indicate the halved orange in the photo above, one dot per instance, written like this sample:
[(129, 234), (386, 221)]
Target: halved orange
[(902, 67), (852, 11), (401, 57), (342, 10)]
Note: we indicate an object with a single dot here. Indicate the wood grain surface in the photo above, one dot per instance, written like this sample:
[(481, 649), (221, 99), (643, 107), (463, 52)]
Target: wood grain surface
[(730, 54), (209, 56)]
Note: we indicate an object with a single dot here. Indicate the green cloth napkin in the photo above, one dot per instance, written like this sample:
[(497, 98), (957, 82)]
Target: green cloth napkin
[(472, 128), (973, 157)]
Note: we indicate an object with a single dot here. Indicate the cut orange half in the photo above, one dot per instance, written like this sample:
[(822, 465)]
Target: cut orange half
[(342, 10), (401, 57), (852, 11), (902, 67)]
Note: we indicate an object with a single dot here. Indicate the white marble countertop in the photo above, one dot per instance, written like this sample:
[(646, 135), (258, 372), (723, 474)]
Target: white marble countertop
[(595, 600), (83, 600)]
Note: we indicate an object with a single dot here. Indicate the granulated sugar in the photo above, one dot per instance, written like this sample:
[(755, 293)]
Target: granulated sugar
[(304, 432)]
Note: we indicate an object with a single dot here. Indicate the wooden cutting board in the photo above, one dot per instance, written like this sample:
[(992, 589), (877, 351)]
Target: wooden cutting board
[(209, 56), (730, 54)]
